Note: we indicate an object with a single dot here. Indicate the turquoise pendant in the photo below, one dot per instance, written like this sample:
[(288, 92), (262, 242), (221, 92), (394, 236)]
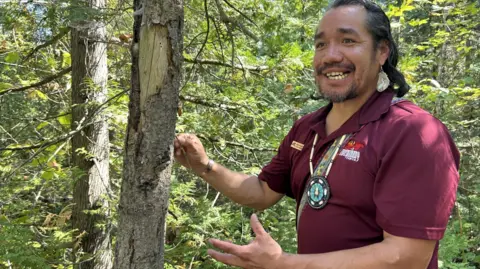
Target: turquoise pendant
[(318, 192)]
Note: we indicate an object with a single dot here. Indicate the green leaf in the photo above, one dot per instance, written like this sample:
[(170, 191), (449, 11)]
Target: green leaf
[(12, 57), (22, 219), (418, 22), (67, 59), (4, 86), (65, 120), (36, 94), (41, 125), (4, 219), (6, 153), (47, 175), (35, 244), (40, 95), (5, 168), (51, 61)]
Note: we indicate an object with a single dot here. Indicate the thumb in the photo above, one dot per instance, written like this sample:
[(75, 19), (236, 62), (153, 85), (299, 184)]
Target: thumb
[(257, 226)]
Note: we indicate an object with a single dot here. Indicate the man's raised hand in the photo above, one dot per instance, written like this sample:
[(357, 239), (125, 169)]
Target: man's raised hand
[(189, 152)]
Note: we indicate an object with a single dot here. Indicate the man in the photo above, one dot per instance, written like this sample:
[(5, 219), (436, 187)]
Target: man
[(374, 179)]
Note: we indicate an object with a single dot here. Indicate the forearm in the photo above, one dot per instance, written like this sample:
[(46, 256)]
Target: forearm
[(240, 188), (377, 256)]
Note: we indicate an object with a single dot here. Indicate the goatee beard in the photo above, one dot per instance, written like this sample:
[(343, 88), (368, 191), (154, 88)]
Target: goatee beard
[(336, 97)]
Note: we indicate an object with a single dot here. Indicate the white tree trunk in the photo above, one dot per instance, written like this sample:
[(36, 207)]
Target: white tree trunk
[(90, 148)]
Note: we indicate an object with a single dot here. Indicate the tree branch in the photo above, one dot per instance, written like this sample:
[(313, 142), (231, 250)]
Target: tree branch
[(219, 63), (214, 104), (62, 33), (44, 144), (249, 147), (241, 27), (27, 67), (235, 144), (112, 41), (40, 83), (245, 16), (208, 30), (219, 35), (189, 76), (68, 135)]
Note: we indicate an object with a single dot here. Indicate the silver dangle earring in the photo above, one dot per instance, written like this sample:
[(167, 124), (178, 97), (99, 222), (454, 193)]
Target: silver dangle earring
[(383, 81)]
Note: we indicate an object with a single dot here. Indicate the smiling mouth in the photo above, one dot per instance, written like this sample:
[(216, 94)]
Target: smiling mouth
[(337, 75)]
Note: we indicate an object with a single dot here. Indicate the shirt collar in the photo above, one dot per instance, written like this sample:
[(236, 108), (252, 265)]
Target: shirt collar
[(377, 105)]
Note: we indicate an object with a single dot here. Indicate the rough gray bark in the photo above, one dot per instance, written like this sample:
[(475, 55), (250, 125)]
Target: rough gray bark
[(156, 74), (90, 148)]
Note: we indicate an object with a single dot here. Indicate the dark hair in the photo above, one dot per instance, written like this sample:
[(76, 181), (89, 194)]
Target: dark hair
[(378, 25)]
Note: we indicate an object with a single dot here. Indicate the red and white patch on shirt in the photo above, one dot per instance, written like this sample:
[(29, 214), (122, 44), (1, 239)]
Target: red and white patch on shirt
[(351, 151)]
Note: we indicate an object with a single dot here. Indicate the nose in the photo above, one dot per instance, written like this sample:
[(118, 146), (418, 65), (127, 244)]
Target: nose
[(332, 54)]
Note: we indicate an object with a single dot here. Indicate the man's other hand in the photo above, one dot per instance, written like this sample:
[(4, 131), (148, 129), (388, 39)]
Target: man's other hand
[(261, 253)]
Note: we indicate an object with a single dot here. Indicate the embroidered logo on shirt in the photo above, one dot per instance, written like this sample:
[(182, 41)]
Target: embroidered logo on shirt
[(296, 145), (351, 151)]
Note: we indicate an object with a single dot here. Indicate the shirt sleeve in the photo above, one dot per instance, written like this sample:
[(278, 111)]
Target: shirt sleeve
[(416, 184), (277, 172)]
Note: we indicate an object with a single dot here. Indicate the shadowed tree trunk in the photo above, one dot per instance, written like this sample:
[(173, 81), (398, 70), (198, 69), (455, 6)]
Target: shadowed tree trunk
[(90, 148), (156, 75)]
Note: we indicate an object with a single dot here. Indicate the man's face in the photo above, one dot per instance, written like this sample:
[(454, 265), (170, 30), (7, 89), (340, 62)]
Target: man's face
[(346, 63)]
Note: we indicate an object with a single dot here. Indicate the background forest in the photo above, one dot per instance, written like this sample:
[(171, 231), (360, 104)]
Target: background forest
[(247, 78)]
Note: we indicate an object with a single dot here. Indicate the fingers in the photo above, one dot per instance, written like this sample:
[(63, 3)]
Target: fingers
[(178, 152), (226, 246), (180, 142), (232, 253), (185, 140), (177, 146), (228, 259), (257, 226)]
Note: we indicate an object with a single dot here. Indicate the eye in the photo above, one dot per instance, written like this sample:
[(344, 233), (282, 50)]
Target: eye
[(348, 41), (319, 45)]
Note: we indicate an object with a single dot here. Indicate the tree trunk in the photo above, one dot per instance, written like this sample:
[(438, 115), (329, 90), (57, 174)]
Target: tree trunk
[(156, 75), (90, 147)]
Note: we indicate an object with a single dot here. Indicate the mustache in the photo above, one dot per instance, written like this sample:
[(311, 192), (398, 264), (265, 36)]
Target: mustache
[(321, 69)]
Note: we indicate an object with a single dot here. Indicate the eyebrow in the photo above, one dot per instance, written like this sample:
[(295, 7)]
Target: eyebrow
[(340, 30), (347, 31), (318, 36)]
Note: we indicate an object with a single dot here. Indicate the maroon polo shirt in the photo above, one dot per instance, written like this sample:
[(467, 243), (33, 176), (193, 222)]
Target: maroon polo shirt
[(398, 173)]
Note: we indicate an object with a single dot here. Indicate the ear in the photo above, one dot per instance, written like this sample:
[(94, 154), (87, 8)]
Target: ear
[(383, 52)]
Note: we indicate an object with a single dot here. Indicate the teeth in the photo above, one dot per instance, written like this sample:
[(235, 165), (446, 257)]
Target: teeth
[(336, 75)]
